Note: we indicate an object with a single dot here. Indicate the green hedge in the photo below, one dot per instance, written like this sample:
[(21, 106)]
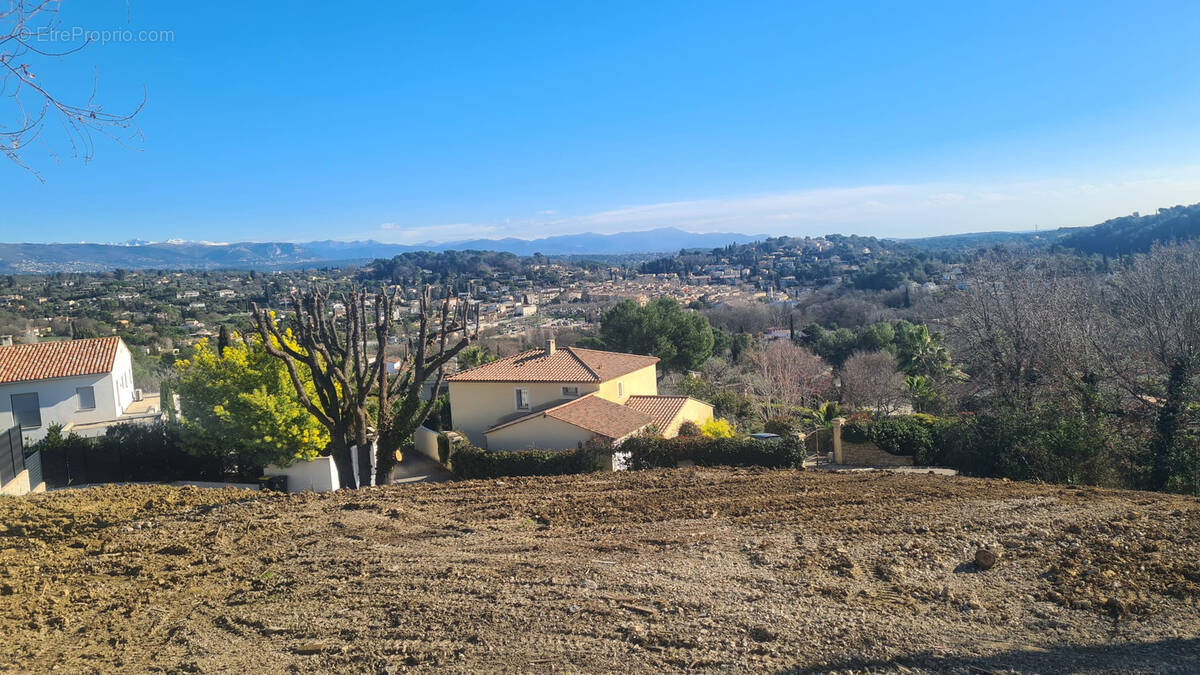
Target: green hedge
[(1047, 444), (472, 462), (783, 426), (132, 452), (907, 435), (647, 452)]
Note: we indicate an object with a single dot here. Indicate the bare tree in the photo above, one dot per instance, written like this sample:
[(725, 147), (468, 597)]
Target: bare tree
[(873, 380), (1153, 349), (31, 104), (364, 406), (787, 375), (1014, 328)]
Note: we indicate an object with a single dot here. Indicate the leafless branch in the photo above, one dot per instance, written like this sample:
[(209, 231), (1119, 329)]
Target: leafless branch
[(32, 105)]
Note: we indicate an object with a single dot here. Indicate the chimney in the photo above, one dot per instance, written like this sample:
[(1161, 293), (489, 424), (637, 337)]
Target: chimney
[(550, 347), (5, 340)]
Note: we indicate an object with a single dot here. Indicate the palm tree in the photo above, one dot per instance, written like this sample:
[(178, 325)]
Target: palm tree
[(922, 352), (920, 392), (826, 413)]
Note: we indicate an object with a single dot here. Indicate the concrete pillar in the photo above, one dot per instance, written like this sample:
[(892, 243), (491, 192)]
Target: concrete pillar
[(837, 439)]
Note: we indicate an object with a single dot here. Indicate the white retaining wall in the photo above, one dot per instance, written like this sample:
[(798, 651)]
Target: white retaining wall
[(318, 475)]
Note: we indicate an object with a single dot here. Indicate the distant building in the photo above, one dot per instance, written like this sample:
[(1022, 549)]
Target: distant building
[(559, 399)]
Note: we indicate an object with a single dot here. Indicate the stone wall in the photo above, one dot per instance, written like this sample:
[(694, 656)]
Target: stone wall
[(862, 454), (869, 454)]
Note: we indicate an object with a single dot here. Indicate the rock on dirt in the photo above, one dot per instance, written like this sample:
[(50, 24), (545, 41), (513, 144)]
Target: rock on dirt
[(986, 558)]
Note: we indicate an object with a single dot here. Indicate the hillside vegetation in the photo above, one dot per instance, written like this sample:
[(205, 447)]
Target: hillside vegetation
[(1137, 233)]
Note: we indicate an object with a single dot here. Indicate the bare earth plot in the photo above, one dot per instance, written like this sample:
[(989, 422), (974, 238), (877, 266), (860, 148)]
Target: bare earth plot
[(691, 569)]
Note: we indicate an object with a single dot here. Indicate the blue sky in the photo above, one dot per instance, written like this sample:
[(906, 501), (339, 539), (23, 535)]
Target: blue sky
[(410, 122)]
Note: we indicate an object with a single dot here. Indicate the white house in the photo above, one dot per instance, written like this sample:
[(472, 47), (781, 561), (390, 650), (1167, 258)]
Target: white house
[(84, 385)]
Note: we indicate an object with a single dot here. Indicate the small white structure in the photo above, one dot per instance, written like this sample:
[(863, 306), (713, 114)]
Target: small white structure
[(425, 442), (318, 475), (76, 383)]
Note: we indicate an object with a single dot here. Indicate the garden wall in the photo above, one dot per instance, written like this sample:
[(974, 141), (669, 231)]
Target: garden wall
[(869, 454)]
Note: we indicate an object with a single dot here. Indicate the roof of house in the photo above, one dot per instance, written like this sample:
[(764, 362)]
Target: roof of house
[(48, 360), (568, 364), (591, 413), (661, 409)]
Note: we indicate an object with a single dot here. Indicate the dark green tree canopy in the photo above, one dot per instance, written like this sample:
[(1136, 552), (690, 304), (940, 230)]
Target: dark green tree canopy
[(682, 339)]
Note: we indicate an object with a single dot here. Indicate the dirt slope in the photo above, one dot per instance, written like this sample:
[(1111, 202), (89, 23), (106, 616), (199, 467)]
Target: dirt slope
[(707, 569)]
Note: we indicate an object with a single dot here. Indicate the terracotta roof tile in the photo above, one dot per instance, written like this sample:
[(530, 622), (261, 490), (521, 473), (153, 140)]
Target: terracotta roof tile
[(608, 365), (569, 364), (47, 360), (662, 409), (594, 414)]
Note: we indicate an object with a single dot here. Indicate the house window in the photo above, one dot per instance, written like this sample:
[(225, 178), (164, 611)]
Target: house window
[(87, 398), (27, 411), (522, 396), (570, 392), (620, 389)]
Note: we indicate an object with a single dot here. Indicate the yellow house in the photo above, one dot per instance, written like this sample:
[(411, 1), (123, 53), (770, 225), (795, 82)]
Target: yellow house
[(561, 398)]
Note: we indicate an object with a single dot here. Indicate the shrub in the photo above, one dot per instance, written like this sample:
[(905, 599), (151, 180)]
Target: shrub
[(782, 426), (1049, 445), (856, 432), (448, 443), (646, 453), (733, 404), (717, 428), (903, 436), (689, 428), (131, 452), (860, 417), (907, 435), (924, 419), (473, 462), (443, 449)]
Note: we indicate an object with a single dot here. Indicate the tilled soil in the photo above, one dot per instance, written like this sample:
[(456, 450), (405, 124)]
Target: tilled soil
[(689, 569)]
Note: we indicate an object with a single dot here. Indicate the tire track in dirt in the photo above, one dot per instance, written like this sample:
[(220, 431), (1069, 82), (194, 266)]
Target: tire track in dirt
[(731, 569)]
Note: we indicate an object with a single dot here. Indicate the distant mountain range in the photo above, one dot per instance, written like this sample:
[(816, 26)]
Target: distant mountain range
[(30, 258), (1119, 236)]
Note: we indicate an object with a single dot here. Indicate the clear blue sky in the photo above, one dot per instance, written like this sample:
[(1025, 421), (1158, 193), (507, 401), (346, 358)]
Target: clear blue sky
[(444, 120)]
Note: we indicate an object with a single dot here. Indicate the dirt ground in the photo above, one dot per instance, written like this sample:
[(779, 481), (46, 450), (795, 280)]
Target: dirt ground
[(689, 569)]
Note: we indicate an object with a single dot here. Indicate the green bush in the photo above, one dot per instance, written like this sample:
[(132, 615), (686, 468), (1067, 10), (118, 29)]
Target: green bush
[(907, 435), (1049, 445), (733, 405), (131, 452), (783, 426), (647, 453), (689, 428), (856, 432), (903, 436), (472, 462)]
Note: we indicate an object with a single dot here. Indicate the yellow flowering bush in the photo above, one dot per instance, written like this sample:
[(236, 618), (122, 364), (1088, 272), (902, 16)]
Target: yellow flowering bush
[(243, 402), (717, 427)]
